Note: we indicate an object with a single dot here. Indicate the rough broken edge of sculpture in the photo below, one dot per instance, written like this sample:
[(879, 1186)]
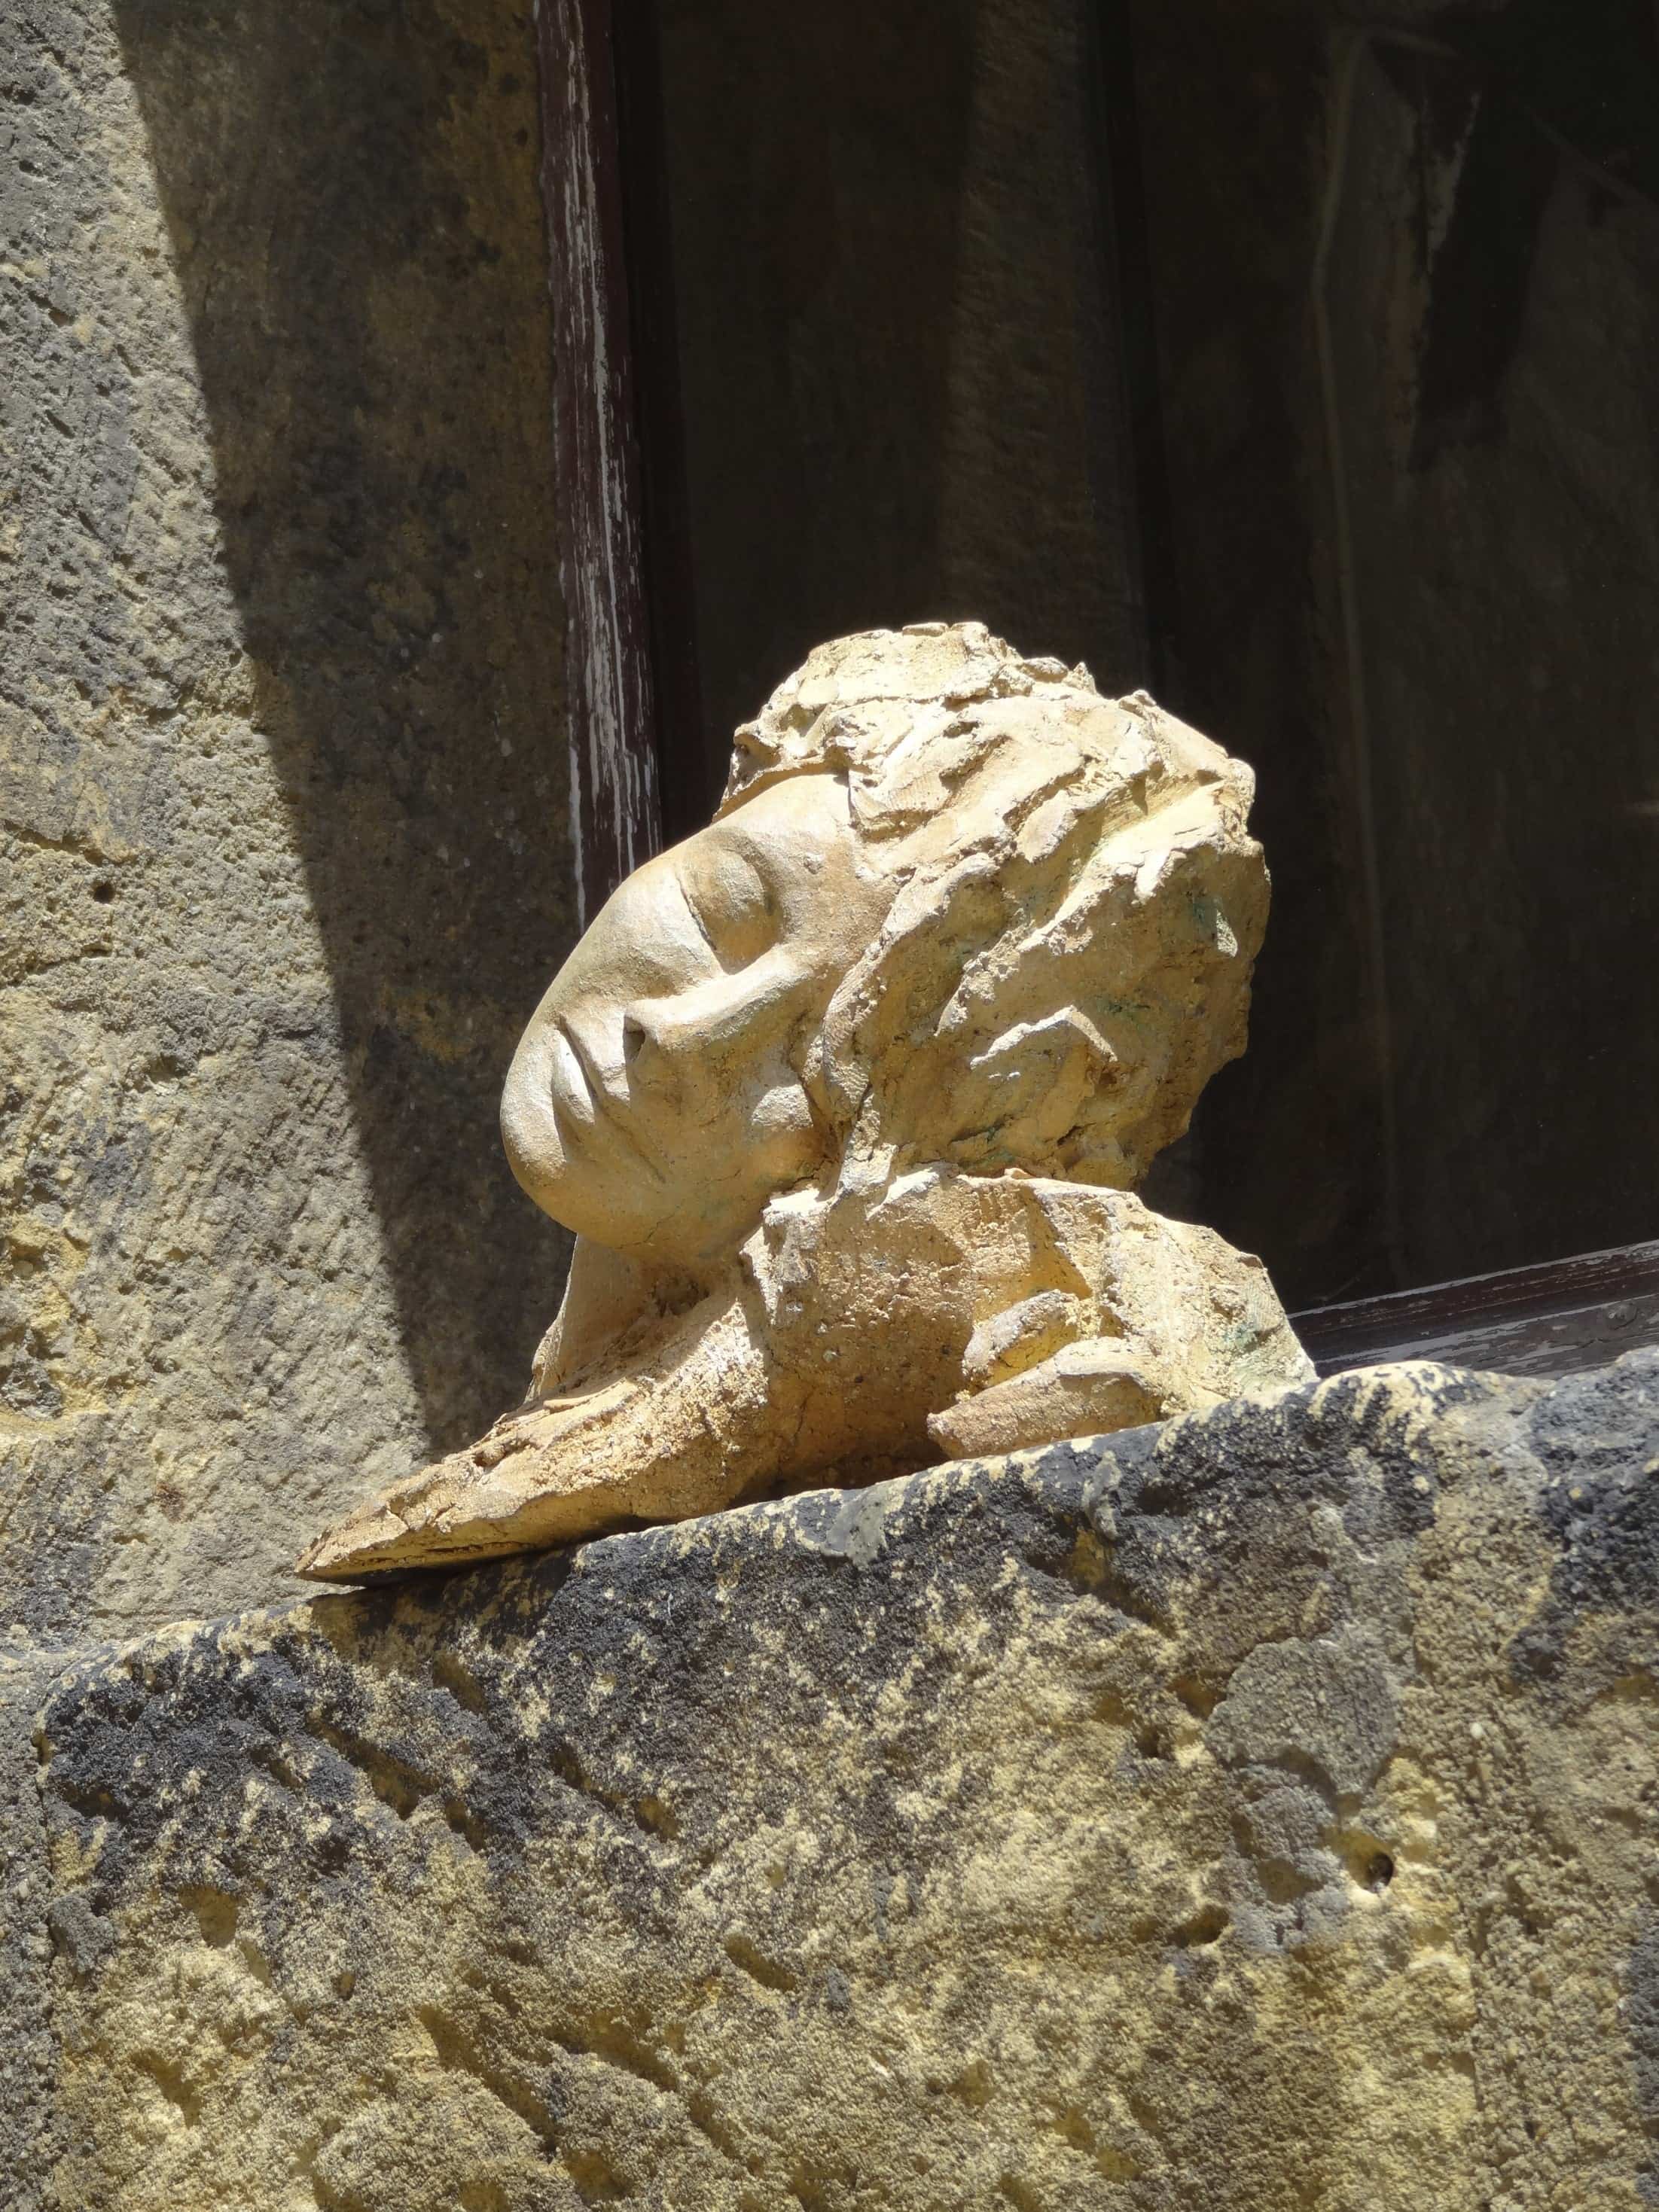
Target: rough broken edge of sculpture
[(944, 1316)]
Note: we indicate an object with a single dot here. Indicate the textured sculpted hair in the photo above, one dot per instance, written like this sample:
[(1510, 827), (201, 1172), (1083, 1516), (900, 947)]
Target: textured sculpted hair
[(1077, 904)]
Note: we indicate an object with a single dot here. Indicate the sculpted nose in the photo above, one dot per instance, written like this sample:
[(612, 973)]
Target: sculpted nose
[(649, 1040), (667, 1048)]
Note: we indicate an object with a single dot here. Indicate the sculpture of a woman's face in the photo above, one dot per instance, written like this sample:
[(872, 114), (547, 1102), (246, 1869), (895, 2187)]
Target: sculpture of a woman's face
[(956, 909), (956, 956), (655, 1101)]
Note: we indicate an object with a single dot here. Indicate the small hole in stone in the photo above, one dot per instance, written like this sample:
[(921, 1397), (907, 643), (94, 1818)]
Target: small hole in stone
[(1200, 1697), (1155, 1742), (103, 891), (1207, 1925), (1380, 1872)]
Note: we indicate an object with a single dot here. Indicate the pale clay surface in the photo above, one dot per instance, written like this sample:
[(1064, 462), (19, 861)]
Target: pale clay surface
[(846, 1095)]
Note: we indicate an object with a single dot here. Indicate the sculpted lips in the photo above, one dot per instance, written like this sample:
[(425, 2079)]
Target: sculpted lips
[(576, 1095), (580, 1100)]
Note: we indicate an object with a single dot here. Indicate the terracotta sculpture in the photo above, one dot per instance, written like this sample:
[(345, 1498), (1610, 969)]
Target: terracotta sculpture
[(846, 1097)]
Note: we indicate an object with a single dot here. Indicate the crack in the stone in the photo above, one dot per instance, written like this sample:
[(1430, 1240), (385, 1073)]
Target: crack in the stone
[(399, 1782)]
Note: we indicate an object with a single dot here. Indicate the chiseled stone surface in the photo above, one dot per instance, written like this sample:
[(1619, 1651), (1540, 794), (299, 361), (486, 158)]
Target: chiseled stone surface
[(278, 558), (1257, 1812)]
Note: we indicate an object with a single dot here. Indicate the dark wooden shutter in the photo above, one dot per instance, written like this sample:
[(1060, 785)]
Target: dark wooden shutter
[(615, 805)]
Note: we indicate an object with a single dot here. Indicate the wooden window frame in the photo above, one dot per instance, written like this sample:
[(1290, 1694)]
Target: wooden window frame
[(1558, 1317)]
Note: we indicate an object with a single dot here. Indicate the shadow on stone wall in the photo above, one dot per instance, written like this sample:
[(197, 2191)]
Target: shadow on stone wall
[(350, 187)]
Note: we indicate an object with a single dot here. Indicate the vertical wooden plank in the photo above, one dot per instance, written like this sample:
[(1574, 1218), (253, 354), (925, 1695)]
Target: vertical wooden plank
[(616, 810), (1149, 553), (692, 757)]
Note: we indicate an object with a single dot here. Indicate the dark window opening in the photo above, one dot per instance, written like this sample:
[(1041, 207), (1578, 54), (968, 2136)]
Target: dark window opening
[(1300, 371)]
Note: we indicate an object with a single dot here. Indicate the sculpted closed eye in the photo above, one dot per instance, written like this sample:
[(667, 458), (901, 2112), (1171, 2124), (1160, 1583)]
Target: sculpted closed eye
[(743, 936), (734, 913)]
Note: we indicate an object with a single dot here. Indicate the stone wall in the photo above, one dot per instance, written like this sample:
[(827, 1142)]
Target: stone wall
[(1256, 1813), (281, 775)]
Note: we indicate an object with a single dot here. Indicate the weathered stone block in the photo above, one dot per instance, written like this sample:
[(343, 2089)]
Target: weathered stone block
[(1256, 1811), (279, 560)]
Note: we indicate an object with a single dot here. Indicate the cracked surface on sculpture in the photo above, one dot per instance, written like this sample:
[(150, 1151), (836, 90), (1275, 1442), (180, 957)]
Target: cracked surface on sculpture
[(846, 1097)]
